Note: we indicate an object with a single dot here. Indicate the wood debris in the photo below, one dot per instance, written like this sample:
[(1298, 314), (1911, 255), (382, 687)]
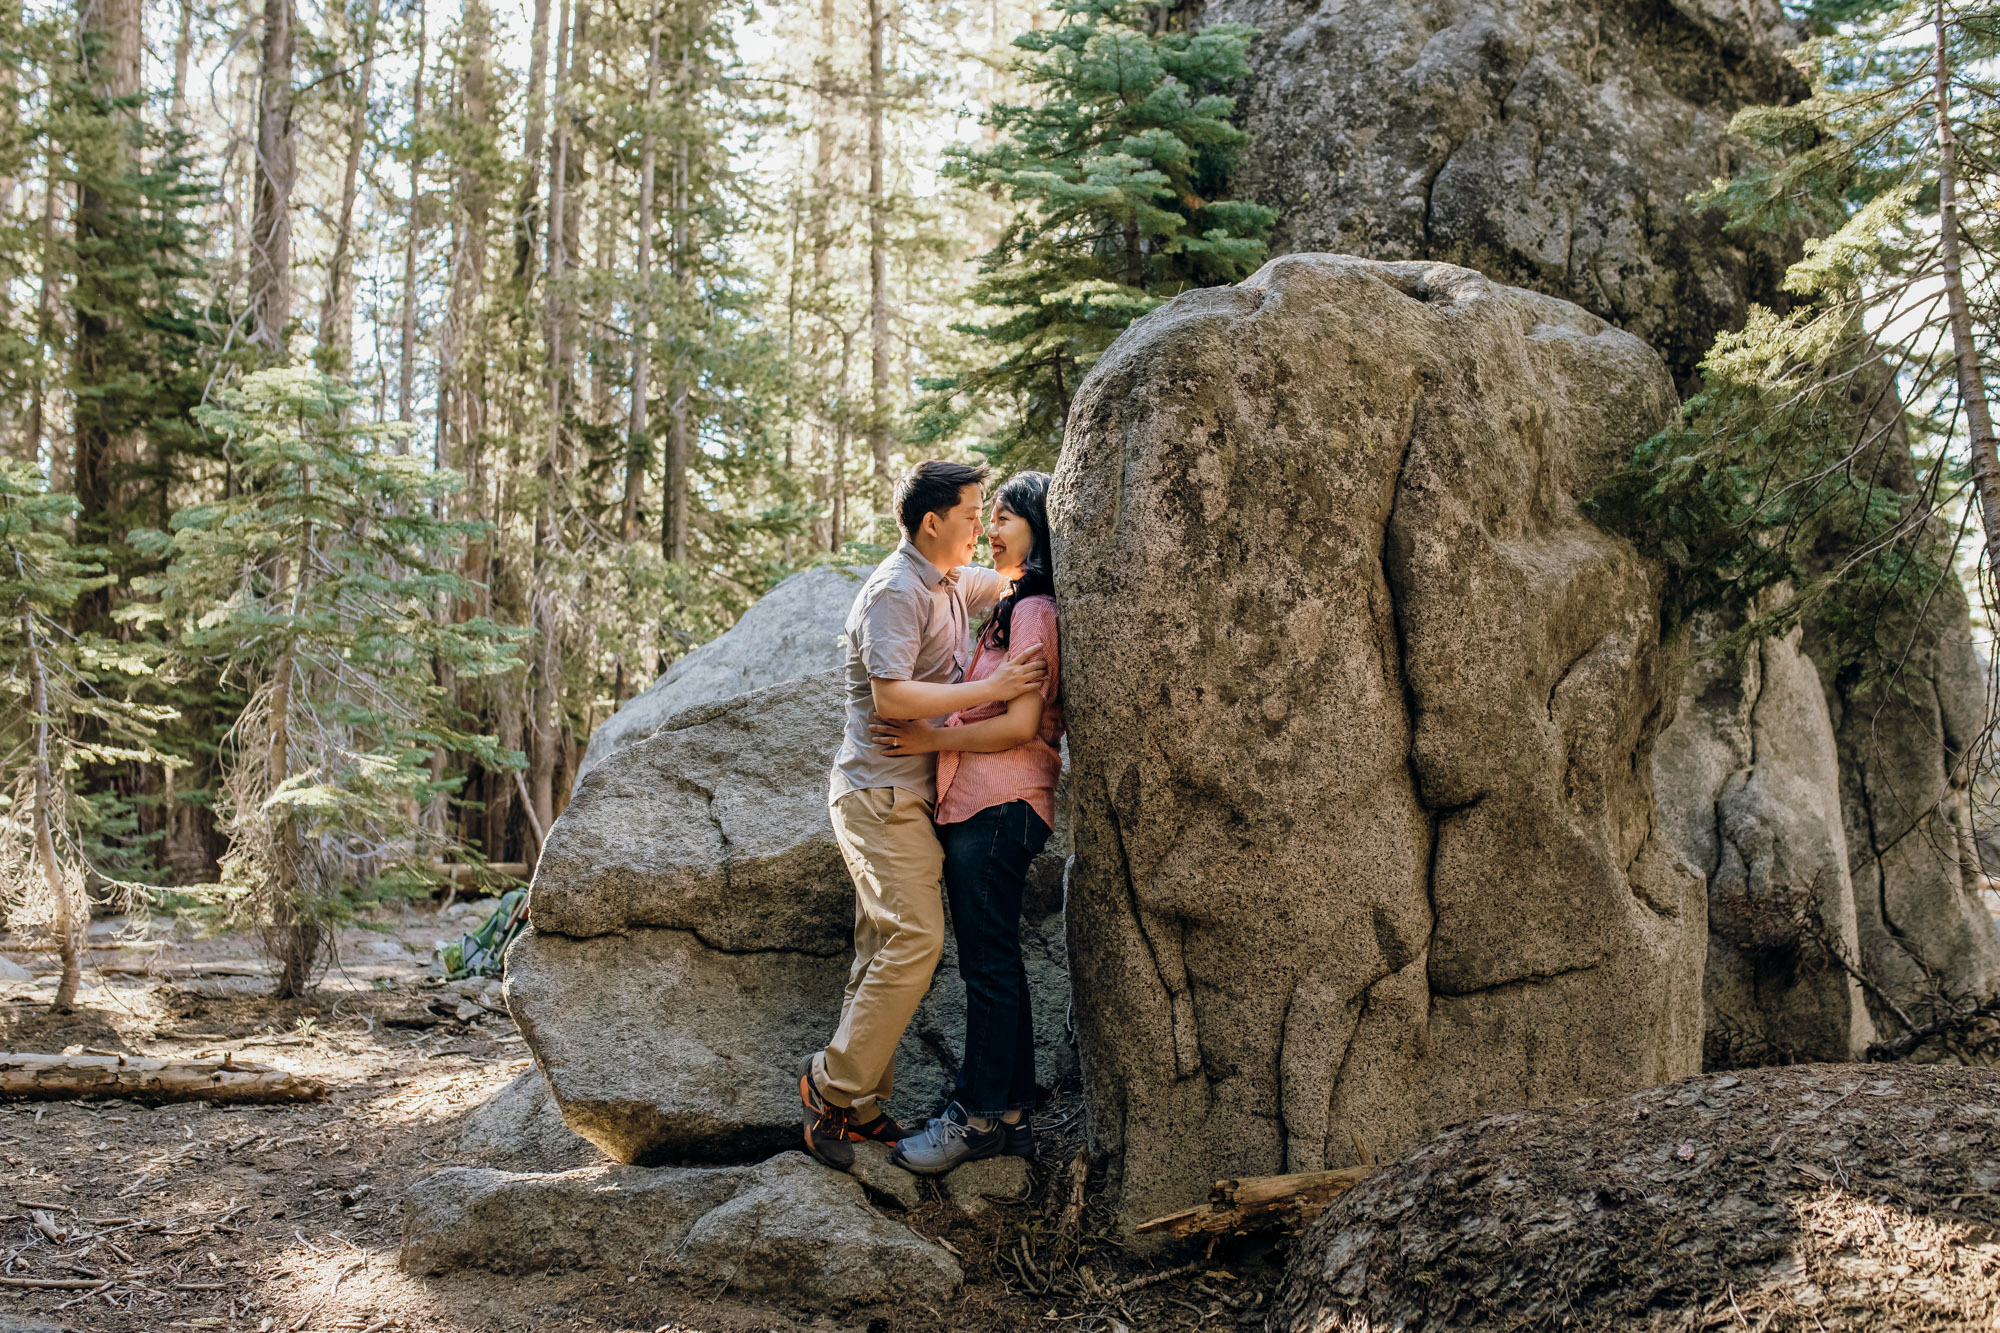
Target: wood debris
[(28, 1076), (1261, 1203)]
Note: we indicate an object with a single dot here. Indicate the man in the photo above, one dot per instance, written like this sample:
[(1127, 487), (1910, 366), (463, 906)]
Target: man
[(908, 645)]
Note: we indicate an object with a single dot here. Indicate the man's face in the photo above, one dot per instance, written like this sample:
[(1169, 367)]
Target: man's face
[(958, 528)]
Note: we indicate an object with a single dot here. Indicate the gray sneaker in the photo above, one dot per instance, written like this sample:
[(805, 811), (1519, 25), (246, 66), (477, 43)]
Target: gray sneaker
[(948, 1141)]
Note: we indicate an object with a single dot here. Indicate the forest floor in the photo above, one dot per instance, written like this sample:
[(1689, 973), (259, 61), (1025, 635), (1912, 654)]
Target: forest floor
[(286, 1218)]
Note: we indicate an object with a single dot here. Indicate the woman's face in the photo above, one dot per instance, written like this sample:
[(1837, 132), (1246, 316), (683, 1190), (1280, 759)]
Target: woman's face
[(1013, 541)]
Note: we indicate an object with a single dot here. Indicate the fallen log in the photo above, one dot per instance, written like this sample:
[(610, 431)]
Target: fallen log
[(1261, 1203), (34, 1077)]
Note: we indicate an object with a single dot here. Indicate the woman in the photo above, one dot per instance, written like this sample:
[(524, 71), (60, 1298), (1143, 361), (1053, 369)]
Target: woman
[(996, 785)]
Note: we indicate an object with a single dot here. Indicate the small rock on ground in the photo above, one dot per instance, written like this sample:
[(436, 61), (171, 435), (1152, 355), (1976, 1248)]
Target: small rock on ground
[(972, 1188), (883, 1178), (13, 971)]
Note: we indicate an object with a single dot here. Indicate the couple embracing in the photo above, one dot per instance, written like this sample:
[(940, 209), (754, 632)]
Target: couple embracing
[(943, 788)]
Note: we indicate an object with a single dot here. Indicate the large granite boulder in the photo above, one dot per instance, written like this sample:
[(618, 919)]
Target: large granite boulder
[(1553, 147), (1556, 147), (793, 630), (1849, 1198), (786, 1229), (1748, 784), (693, 933), (1361, 718)]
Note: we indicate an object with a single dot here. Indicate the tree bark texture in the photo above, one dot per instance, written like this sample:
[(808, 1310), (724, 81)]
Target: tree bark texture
[(413, 229), (336, 312), (104, 452), (271, 220), (638, 446), (878, 250), (1965, 348)]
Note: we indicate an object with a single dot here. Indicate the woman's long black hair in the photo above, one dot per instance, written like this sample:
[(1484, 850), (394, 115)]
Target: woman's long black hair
[(1025, 494)]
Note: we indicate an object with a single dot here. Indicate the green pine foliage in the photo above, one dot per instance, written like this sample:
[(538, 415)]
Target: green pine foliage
[(1791, 471), (318, 584), (1114, 171)]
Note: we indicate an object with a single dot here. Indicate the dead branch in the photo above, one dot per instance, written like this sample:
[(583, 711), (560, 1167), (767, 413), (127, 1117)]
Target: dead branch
[(34, 1077), (1261, 1203), (1895, 1048)]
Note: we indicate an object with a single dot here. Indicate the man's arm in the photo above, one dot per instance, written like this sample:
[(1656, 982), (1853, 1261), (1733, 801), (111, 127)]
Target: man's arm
[(899, 699), (981, 587), (1012, 728)]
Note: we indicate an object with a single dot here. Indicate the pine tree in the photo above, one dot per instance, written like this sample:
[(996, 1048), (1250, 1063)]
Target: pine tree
[(315, 581), (64, 704), (1112, 171), (1784, 470)]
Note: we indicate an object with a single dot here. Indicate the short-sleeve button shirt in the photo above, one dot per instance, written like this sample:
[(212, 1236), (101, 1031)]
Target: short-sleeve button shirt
[(909, 622)]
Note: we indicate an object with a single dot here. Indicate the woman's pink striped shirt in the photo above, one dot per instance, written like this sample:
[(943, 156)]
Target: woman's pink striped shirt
[(968, 783)]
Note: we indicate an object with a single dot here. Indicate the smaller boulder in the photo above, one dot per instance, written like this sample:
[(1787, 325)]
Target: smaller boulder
[(976, 1186), (521, 1123), (786, 1229), (13, 971), (798, 1231)]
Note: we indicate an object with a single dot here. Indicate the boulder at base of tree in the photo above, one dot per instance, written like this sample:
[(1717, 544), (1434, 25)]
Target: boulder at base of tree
[(1849, 1198)]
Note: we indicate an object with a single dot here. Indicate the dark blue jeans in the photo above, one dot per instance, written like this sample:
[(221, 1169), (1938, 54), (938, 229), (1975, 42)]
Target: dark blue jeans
[(985, 872)]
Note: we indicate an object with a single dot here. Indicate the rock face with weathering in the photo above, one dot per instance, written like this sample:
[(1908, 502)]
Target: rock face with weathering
[(1553, 147), (693, 932), (1361, 713), (1748, 784)]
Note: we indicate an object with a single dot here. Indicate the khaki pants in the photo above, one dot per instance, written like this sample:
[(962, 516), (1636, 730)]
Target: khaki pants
[(892, 854)]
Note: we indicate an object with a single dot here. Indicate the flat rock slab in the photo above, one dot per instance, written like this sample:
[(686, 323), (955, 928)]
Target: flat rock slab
[(1848, 1198), (785, 1230)]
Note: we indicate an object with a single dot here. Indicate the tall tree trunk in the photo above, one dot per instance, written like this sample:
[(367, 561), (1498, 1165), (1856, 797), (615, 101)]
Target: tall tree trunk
[(336, 311), (297, 932), (183, 48), (1965, 348), (530, 198), (271, 222), (103, 451), (46, 353), (674, 507), (72, 915), (878, 251), (406, 384), (674, 476), (544, 673), (638, 446)]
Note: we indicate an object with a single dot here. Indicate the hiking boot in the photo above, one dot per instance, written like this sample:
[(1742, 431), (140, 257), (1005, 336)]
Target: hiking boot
[(829, 1129), (1020, 1138), (882, 1129), (948, 1141)]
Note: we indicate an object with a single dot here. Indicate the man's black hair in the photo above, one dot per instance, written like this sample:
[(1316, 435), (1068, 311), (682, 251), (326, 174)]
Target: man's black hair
[(932, 487)]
